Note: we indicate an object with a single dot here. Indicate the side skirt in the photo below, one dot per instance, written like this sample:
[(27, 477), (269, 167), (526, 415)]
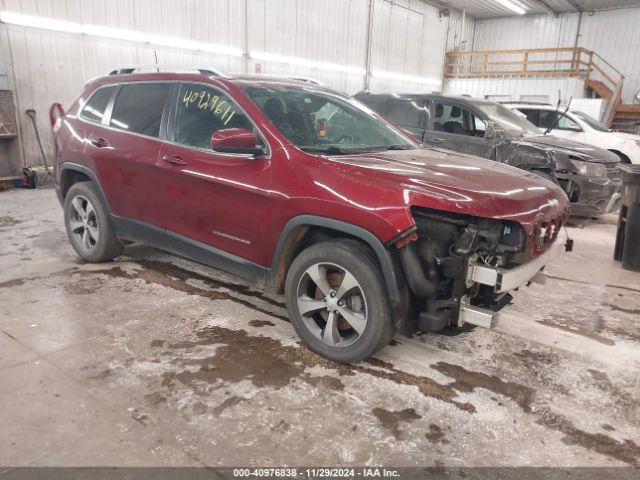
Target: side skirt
[(182, 246)]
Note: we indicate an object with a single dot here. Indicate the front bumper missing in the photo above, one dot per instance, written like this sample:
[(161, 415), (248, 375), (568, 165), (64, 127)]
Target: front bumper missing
[(503, 280), (507, 279)]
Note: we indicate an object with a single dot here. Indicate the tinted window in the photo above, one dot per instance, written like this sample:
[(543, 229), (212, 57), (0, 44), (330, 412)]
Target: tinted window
[(95, 108), (548, 117), (458, 120), (202, 111), (405, 113), (532, 116), (138, 108)]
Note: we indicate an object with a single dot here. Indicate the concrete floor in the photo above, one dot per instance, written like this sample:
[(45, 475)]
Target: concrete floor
[(154, 360)]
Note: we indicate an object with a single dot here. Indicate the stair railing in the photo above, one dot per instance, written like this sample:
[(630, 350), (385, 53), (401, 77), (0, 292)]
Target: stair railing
[(540, 62)]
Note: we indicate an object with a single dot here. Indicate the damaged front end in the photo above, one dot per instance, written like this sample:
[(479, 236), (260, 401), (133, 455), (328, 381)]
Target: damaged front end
[(460, 269)]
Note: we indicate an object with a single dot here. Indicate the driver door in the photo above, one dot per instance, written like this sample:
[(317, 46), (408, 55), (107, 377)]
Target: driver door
[(218, 199)]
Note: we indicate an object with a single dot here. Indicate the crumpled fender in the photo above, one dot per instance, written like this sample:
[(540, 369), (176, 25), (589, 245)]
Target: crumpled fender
[(527, 156)]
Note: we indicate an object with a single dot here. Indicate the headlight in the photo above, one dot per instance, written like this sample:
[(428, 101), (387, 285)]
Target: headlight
[(590, 169)]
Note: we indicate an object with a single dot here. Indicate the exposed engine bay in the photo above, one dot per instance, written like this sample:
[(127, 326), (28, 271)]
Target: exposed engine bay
[(436, 263)]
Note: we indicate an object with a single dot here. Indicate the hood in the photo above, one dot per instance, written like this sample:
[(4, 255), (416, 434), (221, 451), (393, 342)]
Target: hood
[(459, 183), (623, 136), (588, 152)]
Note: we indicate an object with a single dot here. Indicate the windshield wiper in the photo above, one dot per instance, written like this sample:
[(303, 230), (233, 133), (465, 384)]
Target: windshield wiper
[(400, 147), (333, 150)]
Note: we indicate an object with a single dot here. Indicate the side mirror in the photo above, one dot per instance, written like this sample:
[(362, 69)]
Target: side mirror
[(236, 140), (490, 132)]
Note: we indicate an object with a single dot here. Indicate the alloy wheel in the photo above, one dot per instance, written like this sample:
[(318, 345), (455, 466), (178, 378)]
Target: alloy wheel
[(83, 223), (332, 304)]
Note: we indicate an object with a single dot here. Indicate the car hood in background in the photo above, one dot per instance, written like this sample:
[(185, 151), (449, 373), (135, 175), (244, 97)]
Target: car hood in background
[(588, 152), (623, 136), (465, 184)]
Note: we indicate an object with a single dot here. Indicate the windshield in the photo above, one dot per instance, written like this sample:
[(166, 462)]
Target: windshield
[(508, 120), (323, 122), (592, 122)]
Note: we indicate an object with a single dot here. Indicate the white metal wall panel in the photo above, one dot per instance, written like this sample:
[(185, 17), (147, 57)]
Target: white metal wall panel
[(455, 35), (535, 31), (515, 88), (615, 36), (409, 38)]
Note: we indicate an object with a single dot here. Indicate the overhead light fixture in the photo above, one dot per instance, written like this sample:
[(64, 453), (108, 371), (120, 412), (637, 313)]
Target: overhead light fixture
[(303, 62), (406, 78), (39, 22), (114, 33), (512, 6)]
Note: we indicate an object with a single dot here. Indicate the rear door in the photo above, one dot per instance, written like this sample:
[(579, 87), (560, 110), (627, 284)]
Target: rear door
[(409, 115), (221, 200), (125, 150), (457, 127)]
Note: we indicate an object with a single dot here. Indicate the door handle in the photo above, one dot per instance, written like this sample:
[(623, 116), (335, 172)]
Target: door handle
[(174, 160), (99, 142), (437, 140)]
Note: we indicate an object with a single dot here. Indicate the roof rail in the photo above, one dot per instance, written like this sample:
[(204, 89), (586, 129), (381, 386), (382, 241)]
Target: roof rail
[(209, 71), (275, 78), (546, 104)]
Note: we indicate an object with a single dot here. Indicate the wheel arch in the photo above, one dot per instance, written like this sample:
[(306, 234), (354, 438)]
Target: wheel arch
[(71, 173), (299, 233), (623, 157)]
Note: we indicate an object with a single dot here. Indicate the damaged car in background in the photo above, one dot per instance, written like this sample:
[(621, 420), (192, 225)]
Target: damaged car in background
[(305, 191), (588, 175)]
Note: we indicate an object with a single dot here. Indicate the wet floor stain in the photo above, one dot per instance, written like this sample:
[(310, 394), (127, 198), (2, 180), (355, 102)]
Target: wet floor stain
[(391, 420), (630, 311), (103, 375), (16, 282), (582, 282), (8, 221), (578, 330), (468, 381), (154, 399), (626, 451), (261, 323), (265, 362), (436, 435), (227, 403), (330, 383)]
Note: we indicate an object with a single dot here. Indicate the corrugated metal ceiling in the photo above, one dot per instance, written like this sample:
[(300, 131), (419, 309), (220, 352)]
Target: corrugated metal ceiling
[(493, 8)]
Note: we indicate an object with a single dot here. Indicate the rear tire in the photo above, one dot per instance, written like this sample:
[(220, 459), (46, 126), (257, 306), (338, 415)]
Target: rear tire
[(337, 301), (88, 226)]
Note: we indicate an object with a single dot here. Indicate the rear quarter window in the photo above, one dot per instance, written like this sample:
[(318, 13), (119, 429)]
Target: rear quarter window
[(95, 108), (138, 108)]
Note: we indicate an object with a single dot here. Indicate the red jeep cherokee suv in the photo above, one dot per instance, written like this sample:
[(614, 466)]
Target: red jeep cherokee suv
[(304, 190)]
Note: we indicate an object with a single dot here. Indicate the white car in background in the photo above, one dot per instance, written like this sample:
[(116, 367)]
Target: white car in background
[(580, 127)]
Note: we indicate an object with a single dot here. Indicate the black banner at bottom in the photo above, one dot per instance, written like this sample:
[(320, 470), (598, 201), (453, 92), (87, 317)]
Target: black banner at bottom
[(313, 473)]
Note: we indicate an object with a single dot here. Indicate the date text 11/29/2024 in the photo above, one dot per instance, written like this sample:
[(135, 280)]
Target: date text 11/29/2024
[(368, 472)]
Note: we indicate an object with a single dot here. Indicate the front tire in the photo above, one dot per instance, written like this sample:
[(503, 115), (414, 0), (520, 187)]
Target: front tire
[(337, 301), (88, 226)]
